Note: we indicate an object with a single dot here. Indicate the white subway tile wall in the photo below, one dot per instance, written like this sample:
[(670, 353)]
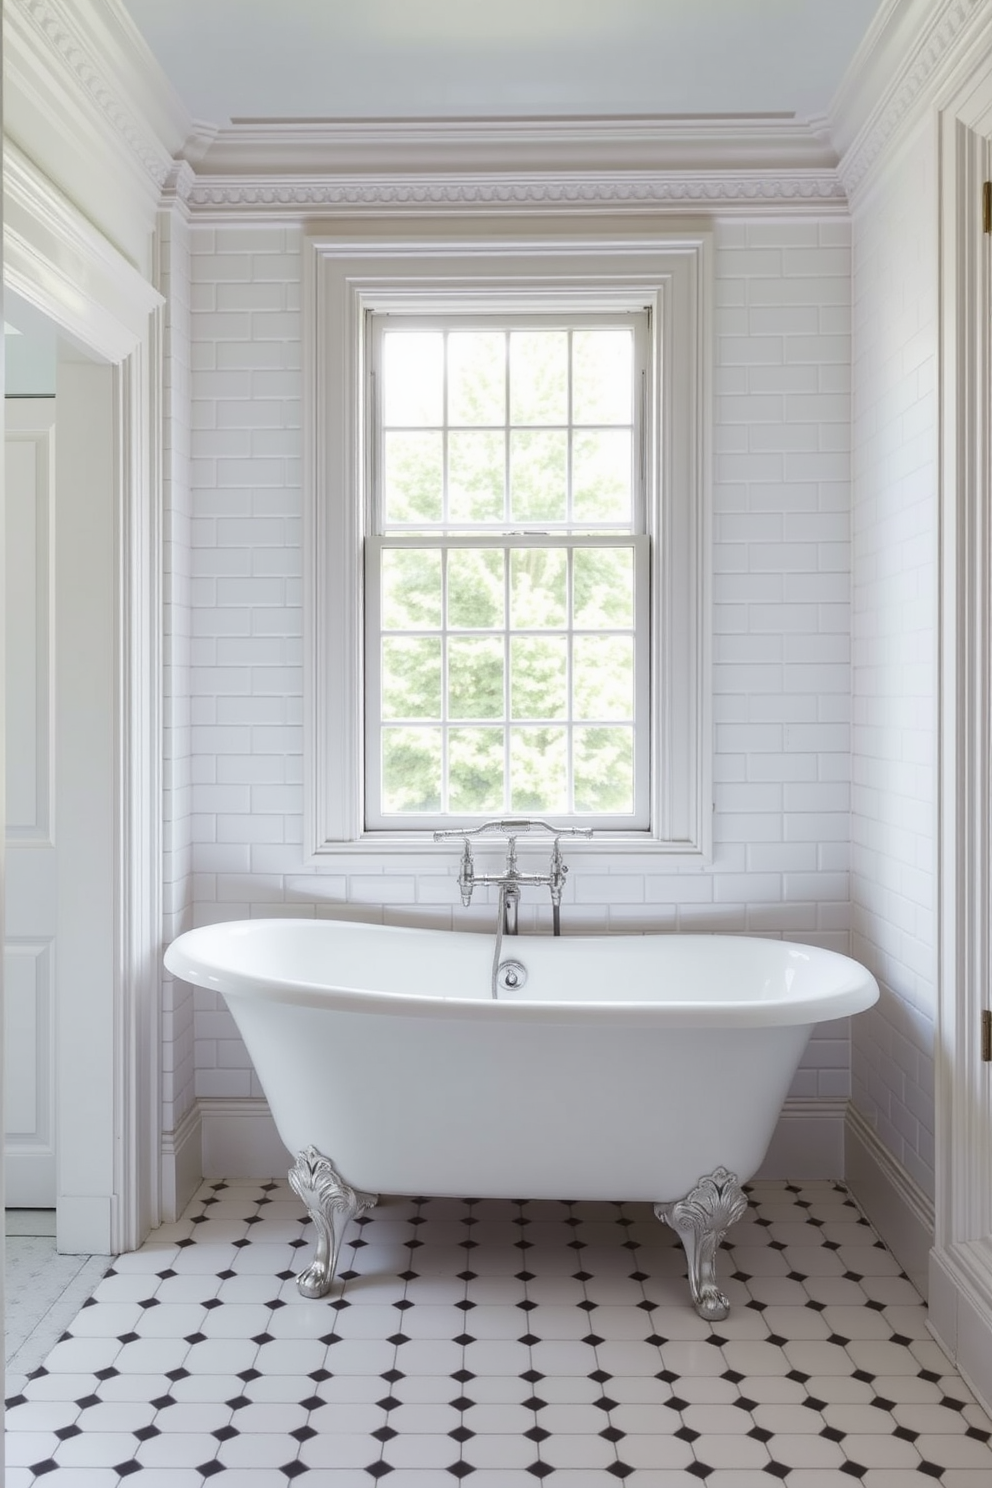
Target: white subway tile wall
[(781, 592), (173, 279), (894, 623)]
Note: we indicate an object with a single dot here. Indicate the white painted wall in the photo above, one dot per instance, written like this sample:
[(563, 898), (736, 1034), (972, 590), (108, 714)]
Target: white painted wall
[(894, 629), (781, 591)]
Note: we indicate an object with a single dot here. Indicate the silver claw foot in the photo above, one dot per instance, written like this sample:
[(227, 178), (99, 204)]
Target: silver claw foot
[(701, 1220), (331, 1203)]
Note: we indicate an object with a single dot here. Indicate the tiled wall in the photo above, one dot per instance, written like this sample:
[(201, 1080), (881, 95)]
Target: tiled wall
[(781, 592), (178, 1074), (894, 623)]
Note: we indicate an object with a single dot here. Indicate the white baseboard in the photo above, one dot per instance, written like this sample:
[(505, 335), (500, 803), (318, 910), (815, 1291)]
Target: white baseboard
[(182, 1167), (808, 1141), (240, 1140), (961, 1312), (901, 1212)]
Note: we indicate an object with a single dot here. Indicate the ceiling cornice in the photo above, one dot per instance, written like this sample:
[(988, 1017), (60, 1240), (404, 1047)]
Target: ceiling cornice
[(909, 52), (637, 191), (100, 55)]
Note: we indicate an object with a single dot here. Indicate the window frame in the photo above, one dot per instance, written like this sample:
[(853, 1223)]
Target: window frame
[(494, 271)]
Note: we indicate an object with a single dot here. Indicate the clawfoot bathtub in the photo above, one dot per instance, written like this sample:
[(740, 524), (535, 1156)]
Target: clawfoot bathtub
[(617, 1067)]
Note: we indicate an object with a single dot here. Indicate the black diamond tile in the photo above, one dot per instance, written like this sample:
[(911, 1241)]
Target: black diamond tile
[(855, 1469), (148, 1302), (40, 1468), (758, 1433), (293, 1469), (528, 1338), (464, 1375), (463, 1339), (605, 1403), (463, 1434), (540, 1469), (312, 1402), (190, 1338), (904, 1433), (86, 1401), (238, 1402), (745, 1404), (777, 1469), (537, 1434), (638, 1276), (532, 1376), (777, 1339), (249, 1374), (320, 1375), (379, 1469), (528, 1306), (863, 1376), (384, 1433), (977, 1434), (169, 1272), (676, 1403), (261, 1338), (620, 1469), (388, 1403), (461, 1469), (796, 1375), (111, 1373), (178, 1374), (13, 1400), (931, 1469), (461, 1403), (840, 1340), (67, 1432), (466, 1306), (686, 1434), (653, 1338), (328, 1339), (146, 1433), (223, 1433), (216, 1302), (534, 1403), (728, 1374), (593, 1340), (832, 1434), (127, 1468), (599, 1375), (612, 1433), (275, 1304), (699, 1469)]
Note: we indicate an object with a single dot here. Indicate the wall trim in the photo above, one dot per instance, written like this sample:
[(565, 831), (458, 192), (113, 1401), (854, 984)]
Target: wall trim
[(891, 1198), (240, 1140), (181, 1163), (910, 52), (289, 198)]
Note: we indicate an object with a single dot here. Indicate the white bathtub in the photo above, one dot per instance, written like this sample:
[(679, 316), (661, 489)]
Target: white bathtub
[(627, 1067)]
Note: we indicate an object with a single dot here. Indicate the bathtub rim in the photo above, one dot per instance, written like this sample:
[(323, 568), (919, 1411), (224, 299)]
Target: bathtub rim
[(854, 990)]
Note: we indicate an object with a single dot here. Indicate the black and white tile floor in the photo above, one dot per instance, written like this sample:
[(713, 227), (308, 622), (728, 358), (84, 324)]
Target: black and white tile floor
[(505, 1343)]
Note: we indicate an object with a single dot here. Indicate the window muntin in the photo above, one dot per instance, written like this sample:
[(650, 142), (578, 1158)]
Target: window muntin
[(507, 577)]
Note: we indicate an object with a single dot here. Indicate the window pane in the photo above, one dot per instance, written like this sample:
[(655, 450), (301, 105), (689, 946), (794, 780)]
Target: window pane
[(538, 677), (411, 589), (476, 765), (411, 769), (603, 767), (603, 677), (476, 476), (602, 383), (414, 477), (537, 588), (413, 377), (477, 377), (601, 476), (475, 588), (538, 475), (411, 677), (475, 677), (603, 588), (538, 780), (538, 377)]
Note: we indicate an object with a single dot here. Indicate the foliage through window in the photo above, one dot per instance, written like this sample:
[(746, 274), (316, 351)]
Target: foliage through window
[(507, 569)]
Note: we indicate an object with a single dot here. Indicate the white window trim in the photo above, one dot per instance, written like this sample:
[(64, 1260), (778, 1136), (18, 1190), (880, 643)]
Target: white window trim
[(342, 279)]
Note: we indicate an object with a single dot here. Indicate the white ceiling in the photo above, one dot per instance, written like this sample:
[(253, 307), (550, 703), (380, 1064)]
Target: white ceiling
[(394, 59)]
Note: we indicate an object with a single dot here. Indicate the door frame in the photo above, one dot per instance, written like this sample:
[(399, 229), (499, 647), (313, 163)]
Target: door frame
[(60, 264), (961, 1260)]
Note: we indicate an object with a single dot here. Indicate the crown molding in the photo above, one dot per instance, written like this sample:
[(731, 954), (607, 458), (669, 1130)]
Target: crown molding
[(909, 53), (85, 99), (290, 199)]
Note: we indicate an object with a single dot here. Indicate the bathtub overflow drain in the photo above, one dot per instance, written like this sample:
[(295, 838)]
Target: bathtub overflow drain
[(511, 975)]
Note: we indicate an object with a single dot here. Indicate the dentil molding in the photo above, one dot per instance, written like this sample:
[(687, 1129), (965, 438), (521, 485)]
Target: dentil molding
[(281, 198)]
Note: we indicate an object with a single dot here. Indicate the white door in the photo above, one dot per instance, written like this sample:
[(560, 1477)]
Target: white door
[(29, 949)]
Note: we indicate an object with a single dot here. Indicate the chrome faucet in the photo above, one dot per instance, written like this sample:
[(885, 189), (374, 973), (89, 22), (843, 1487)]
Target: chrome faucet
[(511, 879)]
